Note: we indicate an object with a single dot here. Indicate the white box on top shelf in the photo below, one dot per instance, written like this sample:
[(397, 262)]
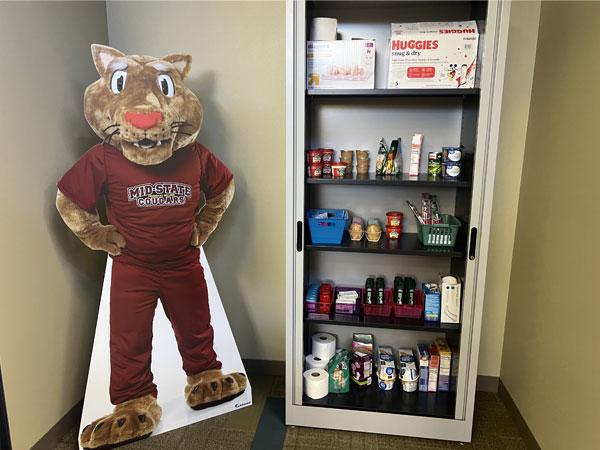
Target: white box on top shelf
[(340, 64), (434, 55)]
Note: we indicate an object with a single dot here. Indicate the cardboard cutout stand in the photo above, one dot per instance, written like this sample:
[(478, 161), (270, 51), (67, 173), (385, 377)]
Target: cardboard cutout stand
[(166, 363)]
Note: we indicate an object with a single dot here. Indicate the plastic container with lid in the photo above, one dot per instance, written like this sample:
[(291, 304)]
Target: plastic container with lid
[(327, 155), (393, 232), (394, 218), (315, 170), (338, 170), (326, 169), (314, 156)]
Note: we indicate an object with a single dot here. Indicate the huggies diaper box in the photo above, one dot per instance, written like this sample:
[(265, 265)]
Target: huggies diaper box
[(433, 55), (340, 64)]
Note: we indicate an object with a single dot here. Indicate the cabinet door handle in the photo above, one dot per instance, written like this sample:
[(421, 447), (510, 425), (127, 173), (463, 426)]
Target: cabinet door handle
[(299, 236), (473, 244)]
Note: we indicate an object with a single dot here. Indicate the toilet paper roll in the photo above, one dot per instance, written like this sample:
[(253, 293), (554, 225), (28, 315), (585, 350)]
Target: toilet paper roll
[(323, 29), (314, 362), (316, 383), (323, 345)]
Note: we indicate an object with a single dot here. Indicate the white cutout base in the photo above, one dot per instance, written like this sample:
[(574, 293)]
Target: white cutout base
[(166, 364)]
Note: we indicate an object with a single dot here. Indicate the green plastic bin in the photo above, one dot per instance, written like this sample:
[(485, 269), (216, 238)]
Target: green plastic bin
[(439, 234)]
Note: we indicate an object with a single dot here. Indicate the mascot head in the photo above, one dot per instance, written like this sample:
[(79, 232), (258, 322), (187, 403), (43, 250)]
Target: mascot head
[(140, 104)]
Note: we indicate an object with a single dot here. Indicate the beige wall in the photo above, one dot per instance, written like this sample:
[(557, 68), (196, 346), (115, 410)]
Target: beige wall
[(518, 79), (50, 281), (549, 364), (238, 72)]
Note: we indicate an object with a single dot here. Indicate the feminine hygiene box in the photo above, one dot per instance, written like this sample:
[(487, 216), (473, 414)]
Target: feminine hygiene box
[(433, 55), (340, 64)]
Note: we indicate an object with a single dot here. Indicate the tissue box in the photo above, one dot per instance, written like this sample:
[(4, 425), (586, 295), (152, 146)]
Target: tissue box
[(340, 64), (433, 55), (432, 302), (450, 307)]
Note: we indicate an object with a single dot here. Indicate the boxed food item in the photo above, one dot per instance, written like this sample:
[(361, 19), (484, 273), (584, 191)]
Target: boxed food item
[(339, 373), (433, 55), (450, 307), (340, 64), (361, 364), (432, 302), (454, 368), (434, 367), (386, 371), (423, 367), (408, 370), (445, 364)]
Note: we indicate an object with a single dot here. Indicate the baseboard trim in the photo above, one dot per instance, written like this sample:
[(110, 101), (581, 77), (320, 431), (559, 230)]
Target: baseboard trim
[(514, 412), (487, 384), (264, 367), (57, 432)]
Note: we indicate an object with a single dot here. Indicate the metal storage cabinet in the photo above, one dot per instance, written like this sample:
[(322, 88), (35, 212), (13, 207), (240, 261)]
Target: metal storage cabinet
[(349, 119)]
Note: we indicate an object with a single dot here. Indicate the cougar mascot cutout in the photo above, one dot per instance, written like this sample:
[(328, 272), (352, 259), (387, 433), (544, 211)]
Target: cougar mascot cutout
[(165, 195)]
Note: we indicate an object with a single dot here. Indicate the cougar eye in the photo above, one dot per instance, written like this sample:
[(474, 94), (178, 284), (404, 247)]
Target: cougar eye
[(165, 83), (117, 82)]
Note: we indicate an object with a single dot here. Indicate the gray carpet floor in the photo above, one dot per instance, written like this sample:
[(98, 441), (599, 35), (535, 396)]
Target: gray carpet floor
[(493, 429)]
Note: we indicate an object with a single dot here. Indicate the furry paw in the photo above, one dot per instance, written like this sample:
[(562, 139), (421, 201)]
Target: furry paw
[(199, 236), (107, 238), (211, 387), (130, 421)]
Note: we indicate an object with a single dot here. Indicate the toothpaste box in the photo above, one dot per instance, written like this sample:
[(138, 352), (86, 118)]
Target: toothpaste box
[(340, 64), (432, 302), (434, 367), (445, 364), (423, 367), (433, 55)]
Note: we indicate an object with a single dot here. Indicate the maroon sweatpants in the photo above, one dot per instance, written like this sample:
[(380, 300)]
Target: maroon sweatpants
[(133, 299)]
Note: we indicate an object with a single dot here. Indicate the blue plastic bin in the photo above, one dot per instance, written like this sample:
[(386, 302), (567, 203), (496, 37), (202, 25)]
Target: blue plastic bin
[(330, 230)]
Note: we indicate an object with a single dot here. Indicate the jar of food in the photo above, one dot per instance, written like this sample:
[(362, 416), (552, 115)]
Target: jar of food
[(326, 169), (338, 170)]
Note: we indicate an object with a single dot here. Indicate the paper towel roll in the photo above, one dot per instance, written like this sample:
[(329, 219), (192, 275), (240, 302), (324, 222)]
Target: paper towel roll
[(323, 345), (323, 29), (314, 362), (316, 383)]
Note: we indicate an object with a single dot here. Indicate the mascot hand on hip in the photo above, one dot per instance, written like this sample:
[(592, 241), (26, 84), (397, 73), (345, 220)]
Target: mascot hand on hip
[(165, 194)]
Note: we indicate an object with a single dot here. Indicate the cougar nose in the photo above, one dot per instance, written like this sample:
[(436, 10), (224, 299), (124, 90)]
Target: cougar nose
[(143, 121)]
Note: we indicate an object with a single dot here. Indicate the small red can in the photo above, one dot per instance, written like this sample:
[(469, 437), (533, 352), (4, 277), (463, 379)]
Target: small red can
[(393, 232), (313, 156), (394, 218), (327, 155), (315, 170)]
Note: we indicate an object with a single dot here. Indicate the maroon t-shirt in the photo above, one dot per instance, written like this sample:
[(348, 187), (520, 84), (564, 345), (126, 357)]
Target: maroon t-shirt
[(153, 207)]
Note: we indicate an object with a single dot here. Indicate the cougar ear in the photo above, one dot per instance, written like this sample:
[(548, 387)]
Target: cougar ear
[(103, 55), (182, 63)]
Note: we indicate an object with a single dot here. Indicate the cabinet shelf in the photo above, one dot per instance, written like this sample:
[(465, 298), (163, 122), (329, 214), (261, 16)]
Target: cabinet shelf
[(392, 92), (372, 179), (396, 401), (408, 244), (382, 322)]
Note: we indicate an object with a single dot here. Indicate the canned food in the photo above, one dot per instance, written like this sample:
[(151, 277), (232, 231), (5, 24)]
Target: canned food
[(434, 164), (451, 154), (393, 232), (326, 169), (338, 169)]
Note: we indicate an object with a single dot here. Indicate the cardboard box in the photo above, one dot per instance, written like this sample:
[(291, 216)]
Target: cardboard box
[(450, 288), (423, 367), (433, 55), (434, 367), (445, 364), (432, 302), (340, 64)]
